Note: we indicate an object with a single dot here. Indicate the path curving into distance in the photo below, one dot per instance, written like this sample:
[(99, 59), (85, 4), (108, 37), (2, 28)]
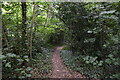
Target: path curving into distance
[(59, 69)]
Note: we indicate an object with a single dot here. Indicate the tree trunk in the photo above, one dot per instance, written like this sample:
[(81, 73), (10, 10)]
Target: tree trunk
[(1, 40), (31, 32), (24, 25), (119, 28), (1, 21), (17, 34)]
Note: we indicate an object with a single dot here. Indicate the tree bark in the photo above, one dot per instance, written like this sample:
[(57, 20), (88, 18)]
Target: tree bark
[(17, 34), (119, 28), (31, 32), (24, 25)]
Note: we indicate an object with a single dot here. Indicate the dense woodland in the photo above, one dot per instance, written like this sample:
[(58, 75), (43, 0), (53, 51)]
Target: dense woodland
[(88, 31)]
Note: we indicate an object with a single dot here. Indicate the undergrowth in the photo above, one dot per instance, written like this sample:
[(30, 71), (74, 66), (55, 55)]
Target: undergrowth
[(43, 62), (89, 65)]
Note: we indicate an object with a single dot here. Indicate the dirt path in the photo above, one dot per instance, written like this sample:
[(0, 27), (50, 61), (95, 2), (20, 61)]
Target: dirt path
[(59, 69)]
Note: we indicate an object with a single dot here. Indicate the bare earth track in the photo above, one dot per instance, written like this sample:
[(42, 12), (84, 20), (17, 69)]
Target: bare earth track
[(59, 69)]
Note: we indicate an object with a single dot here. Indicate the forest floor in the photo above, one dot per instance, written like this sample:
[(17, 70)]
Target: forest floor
[(59, 70)]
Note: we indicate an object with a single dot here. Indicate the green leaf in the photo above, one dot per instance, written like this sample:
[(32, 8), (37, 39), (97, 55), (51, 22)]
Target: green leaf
[(8, 65), (2, 56), (28, 75), (87, 62), (107, 12), (11, 55), (21, 77), (108, 61), (29, 68), (23, 72), (27, 60)]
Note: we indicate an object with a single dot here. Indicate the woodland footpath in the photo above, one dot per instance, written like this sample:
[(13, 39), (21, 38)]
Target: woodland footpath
[(61, 40)]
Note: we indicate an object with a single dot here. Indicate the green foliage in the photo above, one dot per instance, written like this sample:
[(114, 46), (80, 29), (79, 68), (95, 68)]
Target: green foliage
[(16, 59), (43, 62), (19, 69), (90, 32), (90, 66), (92, 35)]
